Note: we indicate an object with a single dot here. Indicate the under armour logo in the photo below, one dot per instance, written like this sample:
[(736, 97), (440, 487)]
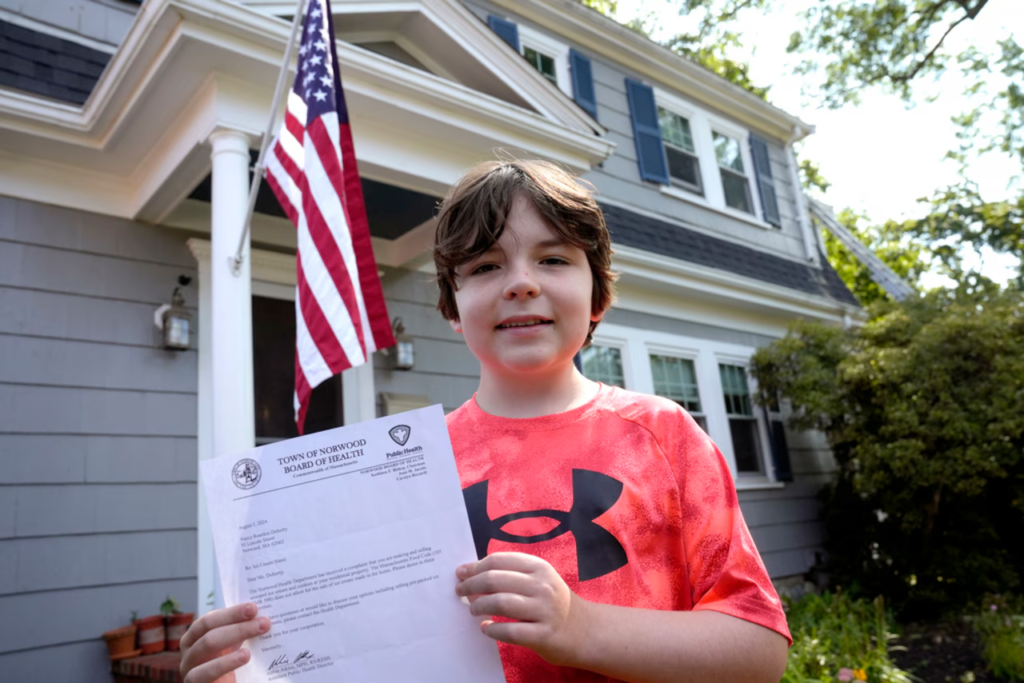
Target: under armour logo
[(597, 551)]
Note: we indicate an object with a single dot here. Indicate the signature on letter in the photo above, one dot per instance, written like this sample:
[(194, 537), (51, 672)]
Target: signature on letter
[(283, 659)]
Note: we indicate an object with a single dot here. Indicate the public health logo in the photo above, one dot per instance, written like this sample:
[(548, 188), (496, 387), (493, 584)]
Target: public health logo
[(246, 473), (400, 434)]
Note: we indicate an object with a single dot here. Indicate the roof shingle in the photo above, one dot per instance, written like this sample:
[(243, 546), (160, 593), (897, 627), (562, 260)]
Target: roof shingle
[(643, 232), (47, 65)]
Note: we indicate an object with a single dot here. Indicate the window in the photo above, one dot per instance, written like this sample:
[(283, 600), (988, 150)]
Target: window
[(683, 164), (676, 379), (708, 378), (547, 56), (746, 441), (542, 63), (734, 179), (603, 364)]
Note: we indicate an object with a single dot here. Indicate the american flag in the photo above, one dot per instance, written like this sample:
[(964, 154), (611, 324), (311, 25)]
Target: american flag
[(340, 315)]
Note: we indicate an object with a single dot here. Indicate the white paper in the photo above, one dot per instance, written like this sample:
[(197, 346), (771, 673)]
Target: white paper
[(348, 540)]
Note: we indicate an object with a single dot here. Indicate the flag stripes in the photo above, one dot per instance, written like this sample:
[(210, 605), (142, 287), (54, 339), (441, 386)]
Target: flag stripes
[(341, 316)]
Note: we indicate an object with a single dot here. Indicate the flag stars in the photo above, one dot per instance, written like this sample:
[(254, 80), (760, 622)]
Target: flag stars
[(326, 80), (304, 49), (320, 45), (316, 13), (320, 96), (316, 60)]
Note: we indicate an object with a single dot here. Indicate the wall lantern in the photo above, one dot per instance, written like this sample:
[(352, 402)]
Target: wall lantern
[(403, 356), (174, 322)]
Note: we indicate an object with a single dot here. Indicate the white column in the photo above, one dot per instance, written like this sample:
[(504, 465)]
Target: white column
[(206, 572), (358, 395), (233, 412)]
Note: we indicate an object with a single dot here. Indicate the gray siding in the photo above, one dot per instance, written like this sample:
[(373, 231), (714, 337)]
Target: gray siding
[(97, 437), (445, 372), (618, 178)]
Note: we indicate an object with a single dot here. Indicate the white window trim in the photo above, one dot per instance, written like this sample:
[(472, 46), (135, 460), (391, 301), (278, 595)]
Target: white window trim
[(742, 136), (703, 124), (679, 193), (743, 360), (552, 48), (637, 345)]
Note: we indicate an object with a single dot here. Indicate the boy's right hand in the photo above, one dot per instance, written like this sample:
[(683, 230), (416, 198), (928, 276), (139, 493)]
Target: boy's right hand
[(211, 649)]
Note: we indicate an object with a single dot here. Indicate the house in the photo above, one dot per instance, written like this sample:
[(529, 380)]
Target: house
[(126, 135)]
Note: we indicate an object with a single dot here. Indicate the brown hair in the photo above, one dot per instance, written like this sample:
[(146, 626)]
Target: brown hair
[(472, 218)]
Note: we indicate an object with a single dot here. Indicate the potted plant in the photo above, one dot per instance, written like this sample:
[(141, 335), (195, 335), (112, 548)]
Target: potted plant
[(151, 634), (121, 642), (177, 622)]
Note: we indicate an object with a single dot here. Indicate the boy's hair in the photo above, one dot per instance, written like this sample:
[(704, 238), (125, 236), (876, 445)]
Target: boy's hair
[(472, 218)]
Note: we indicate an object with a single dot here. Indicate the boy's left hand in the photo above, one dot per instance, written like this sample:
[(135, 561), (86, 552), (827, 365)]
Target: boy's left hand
[(518, 586)]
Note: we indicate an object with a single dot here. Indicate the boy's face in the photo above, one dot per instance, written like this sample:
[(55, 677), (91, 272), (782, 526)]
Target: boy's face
[(525, 305)]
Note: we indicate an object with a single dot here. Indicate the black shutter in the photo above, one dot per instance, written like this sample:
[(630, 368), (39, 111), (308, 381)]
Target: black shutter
[(583, 82), (505, 29), (780, 451), (650, 154), (765, 185)]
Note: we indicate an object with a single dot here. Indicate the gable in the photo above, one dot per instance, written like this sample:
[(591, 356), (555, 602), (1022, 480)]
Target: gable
[(445, 40)]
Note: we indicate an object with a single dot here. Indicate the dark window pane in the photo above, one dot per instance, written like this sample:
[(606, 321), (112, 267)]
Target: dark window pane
[(603, 364), (273, 358), (737, 191), (675, 378), (675, 129), (699, 419), (542, 63), (728, 152), (684, 168), (745, 444)]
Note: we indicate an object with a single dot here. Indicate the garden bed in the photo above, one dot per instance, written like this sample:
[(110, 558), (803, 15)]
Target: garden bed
[(940, 652)]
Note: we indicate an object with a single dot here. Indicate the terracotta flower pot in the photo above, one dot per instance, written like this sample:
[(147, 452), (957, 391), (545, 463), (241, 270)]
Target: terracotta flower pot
[(177, 624), (120, 641), (151, 634)]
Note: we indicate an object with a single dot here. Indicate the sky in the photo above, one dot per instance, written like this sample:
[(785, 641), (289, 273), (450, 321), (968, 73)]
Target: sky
[(880, 155)]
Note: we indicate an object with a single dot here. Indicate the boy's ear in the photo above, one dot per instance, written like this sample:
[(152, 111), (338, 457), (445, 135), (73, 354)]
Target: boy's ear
[(456, 325), (597, 317)]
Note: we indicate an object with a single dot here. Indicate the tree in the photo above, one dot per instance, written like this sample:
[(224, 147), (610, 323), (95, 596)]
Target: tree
[(924, 410), (890, 43)]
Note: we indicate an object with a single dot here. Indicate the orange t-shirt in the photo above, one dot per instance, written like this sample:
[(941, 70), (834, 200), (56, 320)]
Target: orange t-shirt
[(626, 497)]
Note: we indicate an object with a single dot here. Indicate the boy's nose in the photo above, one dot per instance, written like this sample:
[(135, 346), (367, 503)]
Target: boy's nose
[(521, 284)]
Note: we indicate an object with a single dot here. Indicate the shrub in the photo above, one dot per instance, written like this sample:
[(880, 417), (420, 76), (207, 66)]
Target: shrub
[(836, 637), (924, 409), (1000, 625)]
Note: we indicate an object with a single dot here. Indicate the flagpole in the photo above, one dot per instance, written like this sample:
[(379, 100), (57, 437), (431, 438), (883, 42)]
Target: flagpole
[(257, 171)]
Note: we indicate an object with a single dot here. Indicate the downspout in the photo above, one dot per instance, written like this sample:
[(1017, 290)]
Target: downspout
[(810, 242)]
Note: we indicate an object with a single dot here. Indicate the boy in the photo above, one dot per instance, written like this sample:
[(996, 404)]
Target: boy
[(658, 579)]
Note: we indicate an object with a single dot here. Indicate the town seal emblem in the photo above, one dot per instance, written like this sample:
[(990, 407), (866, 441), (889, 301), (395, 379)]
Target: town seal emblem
[(246, 473), (400, 434)]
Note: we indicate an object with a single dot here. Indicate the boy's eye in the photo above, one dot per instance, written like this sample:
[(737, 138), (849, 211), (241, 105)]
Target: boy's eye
[(482, 268), (554, 260)]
